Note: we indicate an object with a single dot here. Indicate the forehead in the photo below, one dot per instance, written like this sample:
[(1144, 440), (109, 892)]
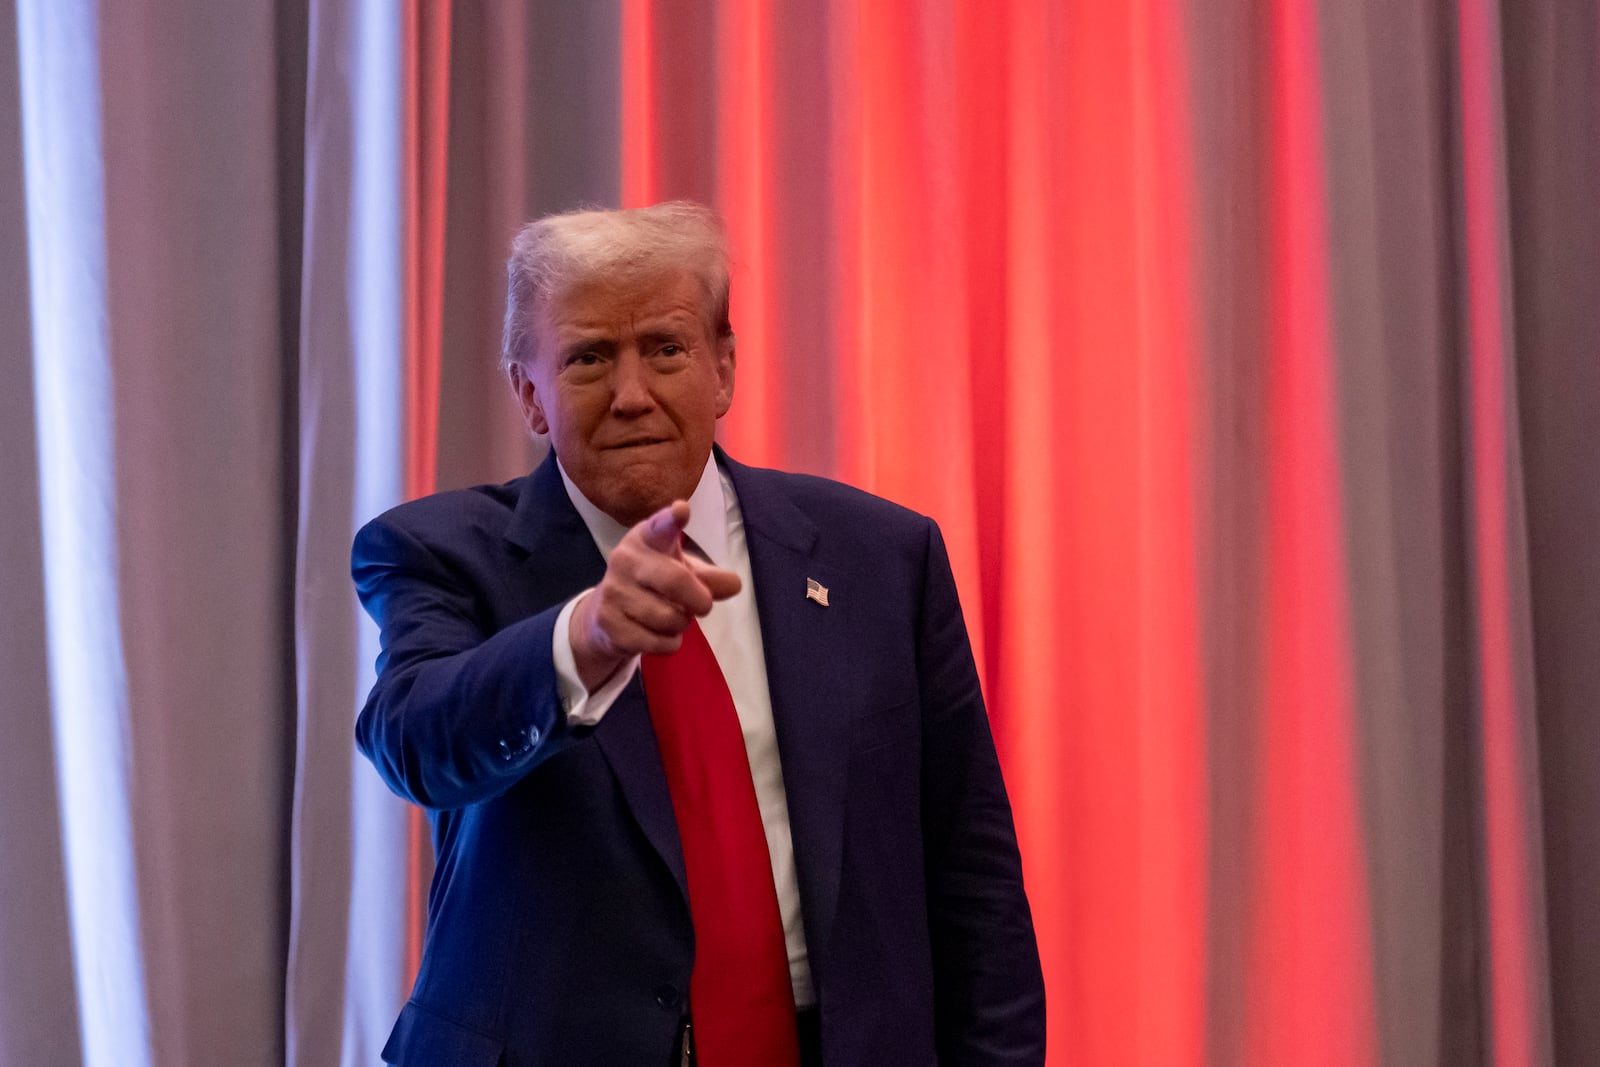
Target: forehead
[(613, 306)]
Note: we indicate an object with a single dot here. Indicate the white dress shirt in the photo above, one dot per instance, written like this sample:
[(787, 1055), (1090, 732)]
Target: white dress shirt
[(733, 631)]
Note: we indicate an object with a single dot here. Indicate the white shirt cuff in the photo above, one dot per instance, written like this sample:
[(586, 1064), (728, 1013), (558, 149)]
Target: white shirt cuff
[(583, 707)]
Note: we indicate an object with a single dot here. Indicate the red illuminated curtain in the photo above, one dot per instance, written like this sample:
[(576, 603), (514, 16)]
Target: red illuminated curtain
[(426, 54)]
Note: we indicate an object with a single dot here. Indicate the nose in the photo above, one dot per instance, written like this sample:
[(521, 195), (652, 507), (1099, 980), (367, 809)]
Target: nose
[(630, 391)]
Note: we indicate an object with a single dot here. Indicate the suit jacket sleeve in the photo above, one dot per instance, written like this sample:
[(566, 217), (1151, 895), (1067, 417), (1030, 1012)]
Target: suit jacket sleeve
[(460, 712), (988, 984)]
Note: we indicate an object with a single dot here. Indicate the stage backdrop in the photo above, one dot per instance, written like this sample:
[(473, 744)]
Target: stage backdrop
[(1247, 351)]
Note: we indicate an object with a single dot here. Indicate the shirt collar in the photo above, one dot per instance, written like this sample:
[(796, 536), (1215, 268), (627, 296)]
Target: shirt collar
[(708, 520)]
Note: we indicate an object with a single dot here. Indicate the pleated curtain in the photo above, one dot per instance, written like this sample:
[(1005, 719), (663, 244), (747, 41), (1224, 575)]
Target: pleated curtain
[(1246, 353)]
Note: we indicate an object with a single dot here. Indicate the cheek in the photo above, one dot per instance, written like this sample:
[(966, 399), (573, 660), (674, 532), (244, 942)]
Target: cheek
[(695, 412), (577, 411)]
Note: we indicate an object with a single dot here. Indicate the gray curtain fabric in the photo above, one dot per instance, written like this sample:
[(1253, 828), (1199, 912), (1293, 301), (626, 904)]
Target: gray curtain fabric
[(347, 885), (200, 328), (1552, 91)]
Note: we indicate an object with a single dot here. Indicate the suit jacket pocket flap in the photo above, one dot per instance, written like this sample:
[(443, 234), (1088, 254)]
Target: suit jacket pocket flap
[(425, 1039)]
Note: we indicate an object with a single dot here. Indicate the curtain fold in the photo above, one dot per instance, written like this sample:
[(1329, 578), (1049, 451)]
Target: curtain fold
[(38, 1001), (1244, 351), (60, 80), (1551, 61), (351, 919), (1518, 988)]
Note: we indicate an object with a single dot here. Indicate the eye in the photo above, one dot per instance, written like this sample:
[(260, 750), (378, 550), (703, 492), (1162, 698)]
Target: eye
[(587, 358), (671, 348)]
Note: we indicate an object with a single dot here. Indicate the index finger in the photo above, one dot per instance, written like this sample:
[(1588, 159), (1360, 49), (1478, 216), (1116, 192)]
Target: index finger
[(720, 582)]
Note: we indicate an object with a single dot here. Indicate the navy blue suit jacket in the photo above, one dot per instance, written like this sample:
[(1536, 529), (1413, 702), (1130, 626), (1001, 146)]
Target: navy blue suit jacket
[(558, 925)]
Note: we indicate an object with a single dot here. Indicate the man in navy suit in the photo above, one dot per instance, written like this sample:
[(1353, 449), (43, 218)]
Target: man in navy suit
[(509, 704)]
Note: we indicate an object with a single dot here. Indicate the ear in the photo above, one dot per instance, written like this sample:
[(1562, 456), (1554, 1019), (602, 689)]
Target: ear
[(528, 398), (726, 359)]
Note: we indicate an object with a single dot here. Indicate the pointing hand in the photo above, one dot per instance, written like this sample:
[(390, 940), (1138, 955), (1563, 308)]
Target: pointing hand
[(650, 592)]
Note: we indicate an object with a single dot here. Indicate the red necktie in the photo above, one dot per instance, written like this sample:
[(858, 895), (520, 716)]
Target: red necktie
[(739, 991)]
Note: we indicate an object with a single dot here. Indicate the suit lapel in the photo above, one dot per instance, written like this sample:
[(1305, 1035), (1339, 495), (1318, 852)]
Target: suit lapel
[(561, 556), (807, 653)]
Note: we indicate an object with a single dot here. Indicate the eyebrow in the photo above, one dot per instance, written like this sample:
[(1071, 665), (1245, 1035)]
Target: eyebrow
[(579, 345), (671, 325)]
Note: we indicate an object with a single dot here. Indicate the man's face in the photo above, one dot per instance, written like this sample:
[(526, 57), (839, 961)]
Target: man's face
[(629, 381)]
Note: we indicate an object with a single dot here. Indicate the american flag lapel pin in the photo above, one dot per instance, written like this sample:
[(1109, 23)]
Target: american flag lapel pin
[(815, 590)]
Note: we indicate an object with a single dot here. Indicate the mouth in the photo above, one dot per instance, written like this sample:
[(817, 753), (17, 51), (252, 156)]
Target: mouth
[(638, 442)]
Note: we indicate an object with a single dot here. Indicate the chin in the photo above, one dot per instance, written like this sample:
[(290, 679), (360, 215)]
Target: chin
[(641, 485), (634, 502)]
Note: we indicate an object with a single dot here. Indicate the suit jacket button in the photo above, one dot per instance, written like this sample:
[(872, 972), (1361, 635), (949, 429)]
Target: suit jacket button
[(667, 996)]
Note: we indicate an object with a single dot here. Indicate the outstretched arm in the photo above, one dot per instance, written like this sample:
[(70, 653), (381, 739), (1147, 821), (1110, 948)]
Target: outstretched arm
[(458, 713)]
